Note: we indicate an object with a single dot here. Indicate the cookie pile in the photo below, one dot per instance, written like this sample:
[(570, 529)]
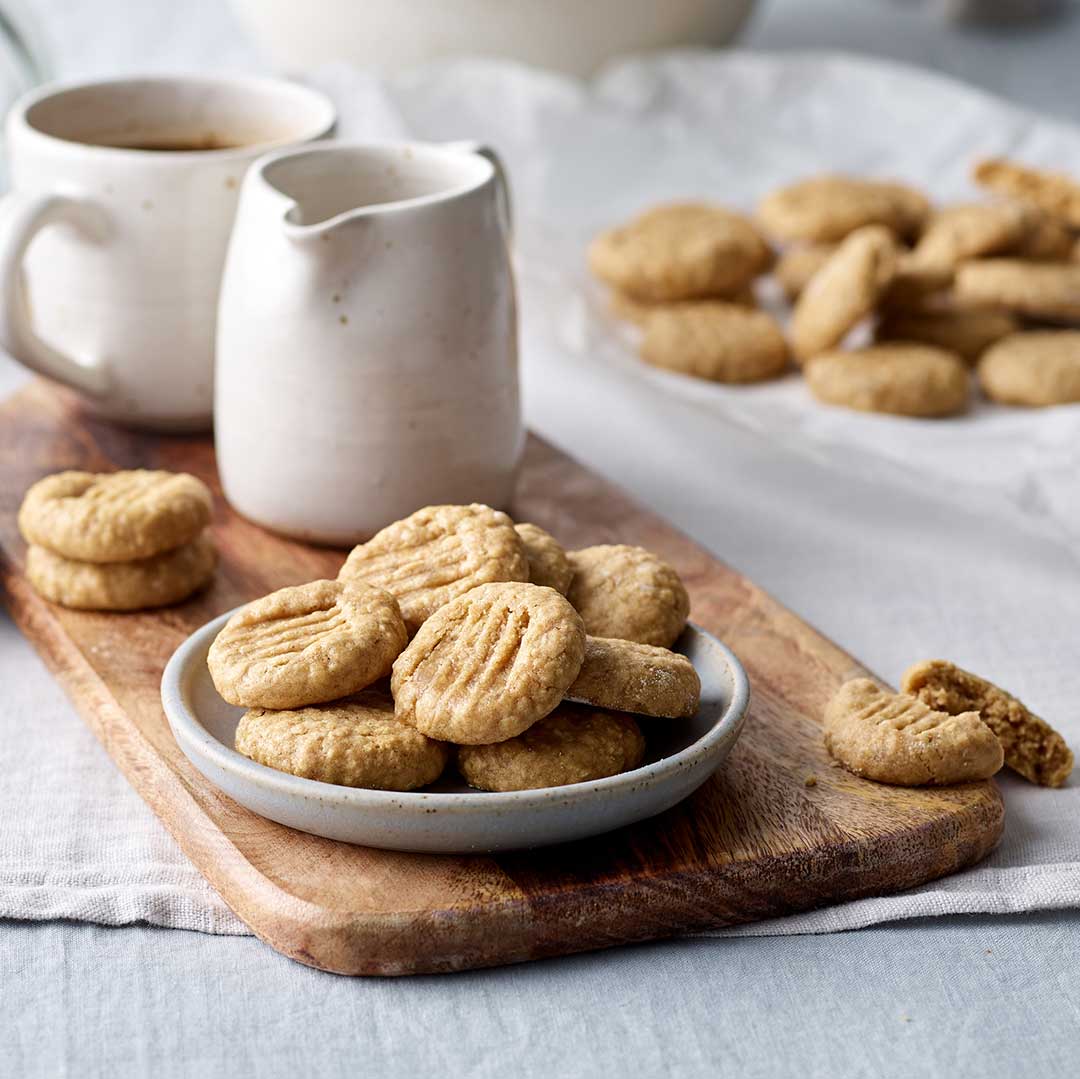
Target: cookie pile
[(946, 725), (117, 541), (519, 659), (992, 286)]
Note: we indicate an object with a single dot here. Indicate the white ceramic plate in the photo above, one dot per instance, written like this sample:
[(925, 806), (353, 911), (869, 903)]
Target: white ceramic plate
[(450, 817)]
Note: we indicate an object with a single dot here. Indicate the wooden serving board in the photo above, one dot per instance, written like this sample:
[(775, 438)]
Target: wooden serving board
[(754, 842)]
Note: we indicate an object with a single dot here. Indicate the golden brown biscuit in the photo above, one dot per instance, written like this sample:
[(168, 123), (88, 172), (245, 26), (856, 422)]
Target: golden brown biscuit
[(826, 209), (967, 333), (894, 738), (304, 645), (489, 664), (572, 745), (1032, 747), (797, 264), (548, 564), (714, 340), (844, 291), (437, 554), (902, 378), (1048, 240), (638, 312), (1055, 193), (1037, 368), (357, 742), (683, 251), (628, 593), (641, 678), (1040, 290), (157, 581), (956, 234), (114, 516)]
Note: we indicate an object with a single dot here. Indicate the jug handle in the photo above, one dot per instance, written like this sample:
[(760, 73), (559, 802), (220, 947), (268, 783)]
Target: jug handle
[(22, 215), (502, 182)]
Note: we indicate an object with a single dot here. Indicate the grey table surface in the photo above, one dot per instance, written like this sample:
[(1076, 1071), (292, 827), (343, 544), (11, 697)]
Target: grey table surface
[(978, 996)]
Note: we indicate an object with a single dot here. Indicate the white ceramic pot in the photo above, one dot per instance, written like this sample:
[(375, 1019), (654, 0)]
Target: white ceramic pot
[(111, 253), (367, 339), (570, 35)]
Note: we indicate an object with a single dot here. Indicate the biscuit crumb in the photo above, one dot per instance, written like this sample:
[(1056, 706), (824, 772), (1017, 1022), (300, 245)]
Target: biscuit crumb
[(810, 781)]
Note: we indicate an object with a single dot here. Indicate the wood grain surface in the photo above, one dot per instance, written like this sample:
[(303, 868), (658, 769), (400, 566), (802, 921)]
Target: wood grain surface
[(753, 843)]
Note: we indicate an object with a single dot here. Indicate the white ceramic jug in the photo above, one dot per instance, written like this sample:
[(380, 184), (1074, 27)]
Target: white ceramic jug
[(367, 339)]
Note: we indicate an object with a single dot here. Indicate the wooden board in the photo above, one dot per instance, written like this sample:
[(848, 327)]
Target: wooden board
[(754, 842)]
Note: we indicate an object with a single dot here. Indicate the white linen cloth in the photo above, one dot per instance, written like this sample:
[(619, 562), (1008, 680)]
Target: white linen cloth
[(899, 539)]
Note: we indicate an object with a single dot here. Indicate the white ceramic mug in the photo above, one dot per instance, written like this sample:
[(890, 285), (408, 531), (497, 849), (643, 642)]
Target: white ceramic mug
[(113, 237), (367, 339)]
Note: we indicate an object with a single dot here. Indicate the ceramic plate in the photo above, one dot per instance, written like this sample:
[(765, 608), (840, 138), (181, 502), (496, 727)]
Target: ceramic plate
[(450, 817)]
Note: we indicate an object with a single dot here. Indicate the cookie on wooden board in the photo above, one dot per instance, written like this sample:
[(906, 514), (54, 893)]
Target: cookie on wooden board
[(114, 516), (157, 581), (895, 738), (1031, 746)]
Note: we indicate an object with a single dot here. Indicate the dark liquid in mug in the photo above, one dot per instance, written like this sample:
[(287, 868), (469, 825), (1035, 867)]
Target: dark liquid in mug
[(209, 141)]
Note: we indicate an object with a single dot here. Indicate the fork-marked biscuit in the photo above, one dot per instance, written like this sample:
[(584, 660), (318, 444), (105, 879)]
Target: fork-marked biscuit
[(307, 644), (895, 738)]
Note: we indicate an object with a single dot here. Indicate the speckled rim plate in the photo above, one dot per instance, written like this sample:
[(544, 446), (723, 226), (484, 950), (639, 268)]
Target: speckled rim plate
[(682, 754)]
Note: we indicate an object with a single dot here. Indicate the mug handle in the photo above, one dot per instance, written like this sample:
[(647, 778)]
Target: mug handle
[(502, 181), (22, 215)]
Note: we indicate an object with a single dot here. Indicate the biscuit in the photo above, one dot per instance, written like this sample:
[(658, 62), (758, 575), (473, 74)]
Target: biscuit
[(628, 593), (156, 581), (967, 333), (958, 233), (641, 678), (894, 738), (901, 377), (1053, 192), (915, 285), (357, 742), (489, 664), (797, 264), (548, 564), (572, 745), (114, 516), (1048, 240), (437, 554), (1032, 747), (713, 340), (844, 291), (683, 251), (307, 644), (637, 312), (1039, 290), (1037, 368), (826, 209)]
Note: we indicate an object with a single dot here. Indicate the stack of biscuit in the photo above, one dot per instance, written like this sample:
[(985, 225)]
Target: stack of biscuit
[(523, 662), (992, 286), (118, 541)]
